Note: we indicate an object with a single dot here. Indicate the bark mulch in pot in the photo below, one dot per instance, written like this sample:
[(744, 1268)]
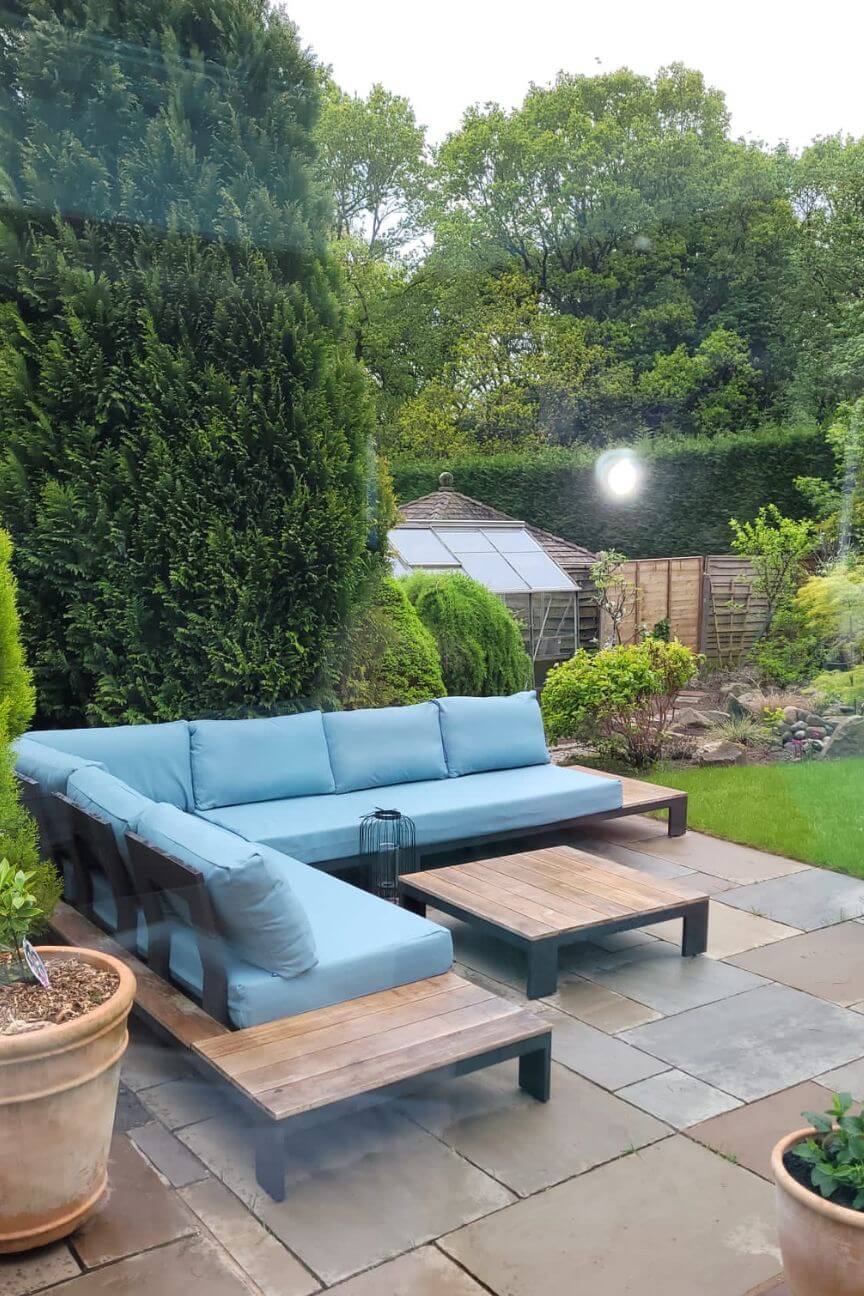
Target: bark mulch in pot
[(76, 988)]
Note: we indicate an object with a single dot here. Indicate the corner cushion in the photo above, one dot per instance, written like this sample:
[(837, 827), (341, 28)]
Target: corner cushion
[(49, 766), (259, 915), (99, 792)]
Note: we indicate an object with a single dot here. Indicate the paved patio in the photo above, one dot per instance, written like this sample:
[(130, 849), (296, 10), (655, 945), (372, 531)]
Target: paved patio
[(646, 1173)]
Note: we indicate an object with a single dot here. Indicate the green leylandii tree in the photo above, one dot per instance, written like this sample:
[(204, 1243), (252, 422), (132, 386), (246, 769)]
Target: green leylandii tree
[(184, 427), (29, 888)]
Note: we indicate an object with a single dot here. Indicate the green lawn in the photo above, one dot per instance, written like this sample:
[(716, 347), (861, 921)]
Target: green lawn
[(812, 811)]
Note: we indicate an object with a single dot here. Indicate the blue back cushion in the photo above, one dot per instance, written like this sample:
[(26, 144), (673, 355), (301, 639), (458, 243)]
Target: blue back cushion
[(48, 766), (152, 758), (259, 915), (492, 733), (108, 797), (384, 746), (238, 761)]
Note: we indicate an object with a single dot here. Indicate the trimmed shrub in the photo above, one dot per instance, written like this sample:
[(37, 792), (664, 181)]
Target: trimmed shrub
[(184, 427), (18, 837), (479, 640), (622, 697), (686, 494), (791, 651), (391, 659)]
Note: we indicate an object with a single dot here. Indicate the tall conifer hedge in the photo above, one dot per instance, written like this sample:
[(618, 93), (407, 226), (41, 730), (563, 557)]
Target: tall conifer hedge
[(183, 429)]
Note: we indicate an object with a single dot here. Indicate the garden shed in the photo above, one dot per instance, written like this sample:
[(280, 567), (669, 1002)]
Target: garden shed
[(542, 578)]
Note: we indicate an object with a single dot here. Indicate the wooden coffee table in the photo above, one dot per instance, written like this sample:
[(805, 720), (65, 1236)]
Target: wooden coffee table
[(438, 1027), (540, 900)]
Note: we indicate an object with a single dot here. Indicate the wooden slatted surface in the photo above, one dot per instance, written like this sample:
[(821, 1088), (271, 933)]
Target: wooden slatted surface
[(549, 892), (156, 1000), (636, 794), (309, 1061)]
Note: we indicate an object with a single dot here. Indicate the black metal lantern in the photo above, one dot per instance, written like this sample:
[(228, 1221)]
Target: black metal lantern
[(389, 842)]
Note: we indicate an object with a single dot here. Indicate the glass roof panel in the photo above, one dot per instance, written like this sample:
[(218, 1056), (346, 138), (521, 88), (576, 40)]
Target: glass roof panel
[(539, 571), (517, 540), (462, 542), (419, 547), (495, 572), (398, 567)]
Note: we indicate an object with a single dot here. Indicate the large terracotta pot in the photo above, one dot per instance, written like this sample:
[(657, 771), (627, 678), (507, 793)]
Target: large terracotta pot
[(822, 1244), (58, 1093)]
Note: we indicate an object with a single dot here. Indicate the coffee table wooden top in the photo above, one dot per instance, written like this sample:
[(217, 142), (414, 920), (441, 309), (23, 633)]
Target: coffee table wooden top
[(300, 1063), (548, 892)]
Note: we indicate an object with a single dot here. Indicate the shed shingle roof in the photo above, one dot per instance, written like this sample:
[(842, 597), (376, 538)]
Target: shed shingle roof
[(452, 506)]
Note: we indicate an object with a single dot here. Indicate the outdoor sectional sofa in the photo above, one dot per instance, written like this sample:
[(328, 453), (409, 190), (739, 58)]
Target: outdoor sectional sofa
[(262, 812)]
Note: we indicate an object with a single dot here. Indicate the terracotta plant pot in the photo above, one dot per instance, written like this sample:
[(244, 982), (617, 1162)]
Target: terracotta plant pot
[(822, 1244), (58, 1093)]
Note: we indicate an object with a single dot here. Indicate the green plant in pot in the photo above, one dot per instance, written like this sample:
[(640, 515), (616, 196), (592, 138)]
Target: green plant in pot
[(20, 912), (819, 1178)]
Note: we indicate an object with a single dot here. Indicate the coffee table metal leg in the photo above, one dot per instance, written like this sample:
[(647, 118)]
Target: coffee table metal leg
[(535, 1070), (270, 1159), (677, 826), (695, 939), (413, 905), (542, 968)]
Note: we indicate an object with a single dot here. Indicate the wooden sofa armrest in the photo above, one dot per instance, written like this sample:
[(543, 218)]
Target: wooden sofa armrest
[(157, 875)]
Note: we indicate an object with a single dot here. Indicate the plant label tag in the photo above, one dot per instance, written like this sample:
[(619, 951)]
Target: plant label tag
[(35, 964)]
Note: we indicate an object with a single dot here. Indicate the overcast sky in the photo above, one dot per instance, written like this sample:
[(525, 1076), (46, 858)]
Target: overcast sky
[(789, 71)]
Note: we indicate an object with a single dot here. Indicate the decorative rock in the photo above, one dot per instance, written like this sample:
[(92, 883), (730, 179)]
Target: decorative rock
[(846, 740), (748, 704), (790, 714), (735, 688), (690, 718), (815, 731), (814, 720), (721, 752)]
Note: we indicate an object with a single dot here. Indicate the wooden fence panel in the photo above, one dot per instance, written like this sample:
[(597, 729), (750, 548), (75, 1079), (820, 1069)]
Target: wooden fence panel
[(709, 602)]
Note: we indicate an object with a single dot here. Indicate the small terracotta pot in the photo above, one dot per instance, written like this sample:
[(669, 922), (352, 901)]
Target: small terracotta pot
[(822, 1244), (58, 1094)]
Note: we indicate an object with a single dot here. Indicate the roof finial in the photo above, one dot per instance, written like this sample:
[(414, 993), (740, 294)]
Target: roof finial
[(445, 481)]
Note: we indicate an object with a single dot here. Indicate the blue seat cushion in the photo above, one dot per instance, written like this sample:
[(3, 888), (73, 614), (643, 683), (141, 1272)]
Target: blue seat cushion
[(234, 761), (47, 765), (259, 915), (102, 794), (151, 758), (385, 745), (315, 829), (364, 945), (492, 733)]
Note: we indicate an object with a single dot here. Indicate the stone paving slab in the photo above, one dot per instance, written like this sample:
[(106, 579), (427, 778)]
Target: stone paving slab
[(845, 1079), (139, 1212), (360, 1189), (273, 1269), (678, 1099), (168, 1154), (598, 1006), (756, 1043), (749, 1133), (674, 1219), (627, 828), (147, 1061), (597, 1056), (185, 1102), (828, 962), (723, 859), (730, 931), (658, 976), (634, 856), (186, 1268), (811, 899), (21, 1274), (424, 1272), (525, 1144)]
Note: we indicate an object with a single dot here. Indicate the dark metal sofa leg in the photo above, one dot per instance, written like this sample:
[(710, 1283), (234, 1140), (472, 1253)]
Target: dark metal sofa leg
[(542, 969), (678, 817), (695, 940), (270, 1159), (535, 1070)]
